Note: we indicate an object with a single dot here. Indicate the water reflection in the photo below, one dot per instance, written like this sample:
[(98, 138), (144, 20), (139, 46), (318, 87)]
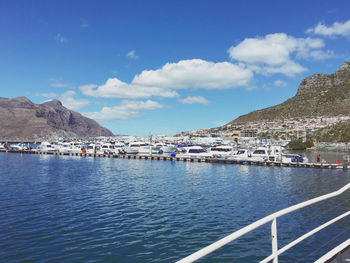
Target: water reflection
[(327, 156), (155, 211)]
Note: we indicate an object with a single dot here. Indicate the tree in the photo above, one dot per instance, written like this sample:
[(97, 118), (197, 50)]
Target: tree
[(296, 144)]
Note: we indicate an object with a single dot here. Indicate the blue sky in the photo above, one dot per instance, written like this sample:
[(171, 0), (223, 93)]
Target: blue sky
[(162, 67)]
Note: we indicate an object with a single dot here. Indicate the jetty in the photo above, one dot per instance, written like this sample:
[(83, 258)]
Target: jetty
[(344, 166)]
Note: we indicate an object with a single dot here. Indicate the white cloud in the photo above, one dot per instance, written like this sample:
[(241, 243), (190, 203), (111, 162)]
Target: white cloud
[(61, 39), (114, 88), (280, 83), (46, 95), (58, 85), (186, 74), (83, 23), (49, 95), (195, 74), (126, 110), (132, 54), (275, 53), (69, 102), (195, 99), (337, 29)]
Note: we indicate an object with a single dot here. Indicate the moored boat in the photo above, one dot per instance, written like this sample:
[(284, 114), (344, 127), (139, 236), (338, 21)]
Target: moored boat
[(194, 152)]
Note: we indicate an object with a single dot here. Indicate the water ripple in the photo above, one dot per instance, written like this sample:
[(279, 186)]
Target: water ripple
[(72, 209)]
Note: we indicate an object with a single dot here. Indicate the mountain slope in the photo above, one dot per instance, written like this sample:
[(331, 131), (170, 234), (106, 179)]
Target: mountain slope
[(22, 119), (317, 95)]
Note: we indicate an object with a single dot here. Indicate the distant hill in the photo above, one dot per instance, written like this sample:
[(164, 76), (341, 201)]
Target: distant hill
[(339, 132), (317, 95), (22, 119)]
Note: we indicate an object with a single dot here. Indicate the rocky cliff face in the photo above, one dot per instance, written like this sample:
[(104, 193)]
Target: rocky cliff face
[(324, 83), (22, 119), (317, 95)]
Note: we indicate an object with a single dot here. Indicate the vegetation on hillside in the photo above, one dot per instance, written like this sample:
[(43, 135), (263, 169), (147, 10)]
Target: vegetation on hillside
[(299, 144), (337, 133)]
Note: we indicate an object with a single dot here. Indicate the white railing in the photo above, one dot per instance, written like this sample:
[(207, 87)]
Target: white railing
[(270, 218)]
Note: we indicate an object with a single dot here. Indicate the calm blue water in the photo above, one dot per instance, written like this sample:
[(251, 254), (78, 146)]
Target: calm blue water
[(73, 209)]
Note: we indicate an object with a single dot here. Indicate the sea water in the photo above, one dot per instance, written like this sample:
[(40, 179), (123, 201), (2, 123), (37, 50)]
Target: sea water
[(74, 209)]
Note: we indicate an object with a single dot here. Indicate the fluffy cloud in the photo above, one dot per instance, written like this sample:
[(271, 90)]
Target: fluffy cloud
[(58, 85), (83, 23), (69, 102), (195, 74), (274, 53), (280, 83), (195, 99), (48, 95), (126, 110), (61, 39), (132, 55), (337, 29), (114, 88), (186, 74)]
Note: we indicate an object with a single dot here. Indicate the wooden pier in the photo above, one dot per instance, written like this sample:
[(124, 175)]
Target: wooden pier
[(188, 159)]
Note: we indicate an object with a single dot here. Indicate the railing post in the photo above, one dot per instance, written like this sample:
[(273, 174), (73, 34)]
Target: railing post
[(274, 240)]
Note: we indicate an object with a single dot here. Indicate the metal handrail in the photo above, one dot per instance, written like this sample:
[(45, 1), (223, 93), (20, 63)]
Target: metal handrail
[(273, 217)]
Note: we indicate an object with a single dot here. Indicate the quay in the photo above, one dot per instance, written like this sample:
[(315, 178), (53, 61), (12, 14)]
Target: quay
[(344, 166)]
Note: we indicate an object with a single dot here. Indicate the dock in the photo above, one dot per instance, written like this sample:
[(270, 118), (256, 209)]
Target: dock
[(188, 159)]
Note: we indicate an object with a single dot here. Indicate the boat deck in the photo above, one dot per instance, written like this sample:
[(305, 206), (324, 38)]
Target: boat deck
[(340, 254)]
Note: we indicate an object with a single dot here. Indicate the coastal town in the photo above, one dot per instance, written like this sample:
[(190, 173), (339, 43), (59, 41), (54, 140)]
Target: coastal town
[(284, 129)]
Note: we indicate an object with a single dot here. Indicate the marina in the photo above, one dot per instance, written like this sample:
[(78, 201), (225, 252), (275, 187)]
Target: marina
[(175, 131), (189, 159)]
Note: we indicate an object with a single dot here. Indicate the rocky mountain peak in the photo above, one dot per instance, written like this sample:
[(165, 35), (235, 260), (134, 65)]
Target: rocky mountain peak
[(317, 95), (18, 102), (22, 99), (319, 83), (22, 119), (52, 103), (345, 67)]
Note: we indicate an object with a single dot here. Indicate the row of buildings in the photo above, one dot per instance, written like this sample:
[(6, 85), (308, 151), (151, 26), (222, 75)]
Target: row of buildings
[(279, 129)]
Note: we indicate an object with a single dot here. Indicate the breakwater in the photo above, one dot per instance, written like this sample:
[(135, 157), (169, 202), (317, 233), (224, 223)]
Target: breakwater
[(344, 166)]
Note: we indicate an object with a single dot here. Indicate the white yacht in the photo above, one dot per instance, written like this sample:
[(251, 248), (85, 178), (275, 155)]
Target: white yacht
[(64, 147), (141, 148), (19, 147), (246, 155), (194, 152), (294, 158), (108, 148), (149, 149), (166, 148), (47, 147), (93, 148), (119, 148), (133, 147), (222, 151)]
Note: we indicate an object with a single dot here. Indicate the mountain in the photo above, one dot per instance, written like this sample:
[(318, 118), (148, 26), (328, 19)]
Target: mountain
[(22, 119), (317, 95), (339, 132)]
